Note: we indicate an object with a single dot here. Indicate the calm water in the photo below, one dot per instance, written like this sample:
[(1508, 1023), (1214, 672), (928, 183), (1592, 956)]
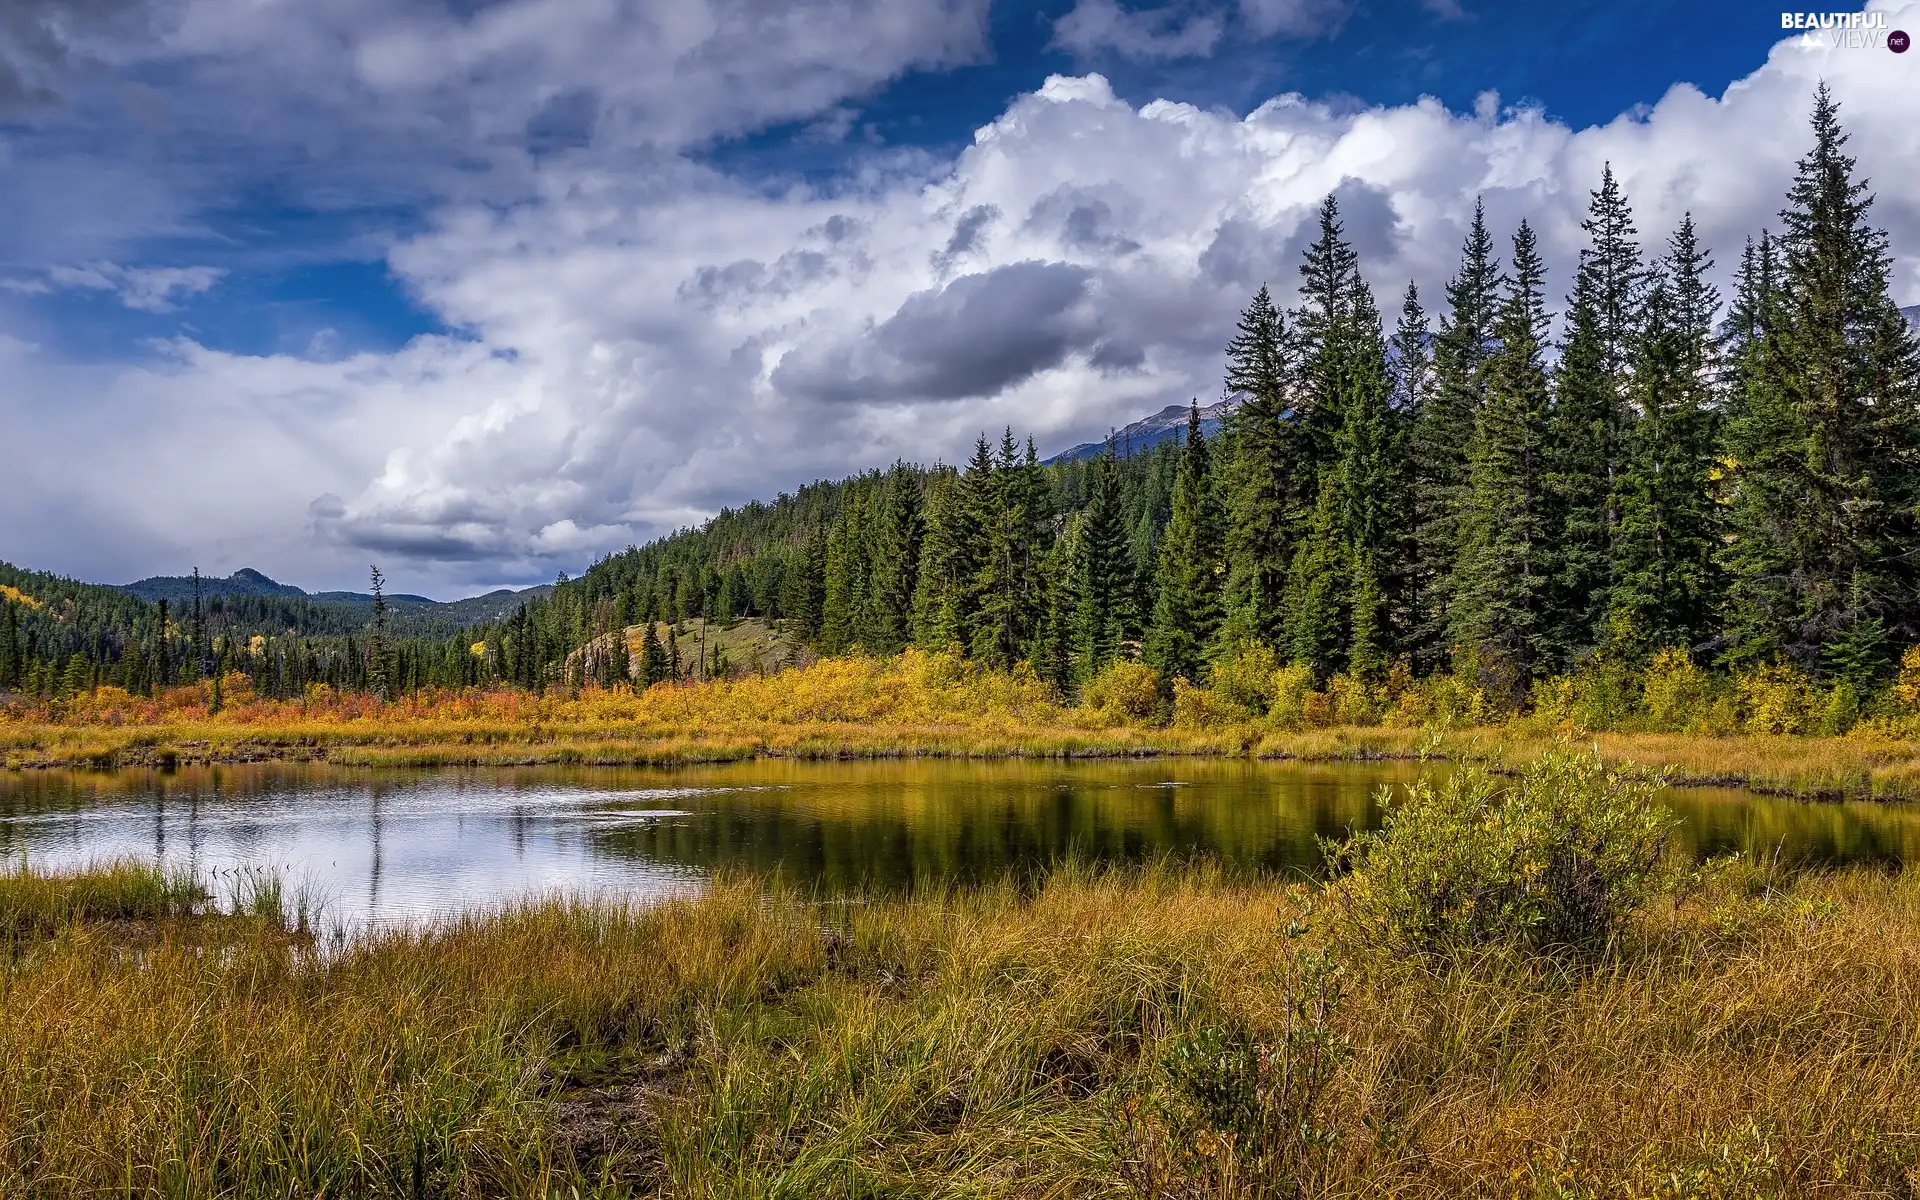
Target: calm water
[(401, 845)]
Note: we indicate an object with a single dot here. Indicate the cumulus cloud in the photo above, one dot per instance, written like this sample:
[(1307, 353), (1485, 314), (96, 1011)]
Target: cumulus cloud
[(641, 346)]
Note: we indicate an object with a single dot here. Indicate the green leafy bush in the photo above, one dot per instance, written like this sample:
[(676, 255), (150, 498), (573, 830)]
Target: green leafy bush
[(1555, 857)]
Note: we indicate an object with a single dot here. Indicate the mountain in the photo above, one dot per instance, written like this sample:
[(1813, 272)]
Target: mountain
[(1913, 316), (1147, 432), (496, 605)]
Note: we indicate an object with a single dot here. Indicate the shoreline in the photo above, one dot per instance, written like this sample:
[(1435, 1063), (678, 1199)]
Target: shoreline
[(1807, 768)]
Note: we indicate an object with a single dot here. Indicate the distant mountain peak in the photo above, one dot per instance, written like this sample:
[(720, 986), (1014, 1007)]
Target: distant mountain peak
[(1165, 425)]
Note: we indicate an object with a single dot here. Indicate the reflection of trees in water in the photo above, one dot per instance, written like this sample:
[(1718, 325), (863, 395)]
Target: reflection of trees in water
[(898, 825), (1726, 821), (845, 825)]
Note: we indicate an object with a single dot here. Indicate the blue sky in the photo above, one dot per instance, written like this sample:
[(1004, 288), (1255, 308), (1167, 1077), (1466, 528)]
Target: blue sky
[(484, 290)]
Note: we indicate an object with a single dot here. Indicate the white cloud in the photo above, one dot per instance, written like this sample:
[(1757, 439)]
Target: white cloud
[(148, 289), (1186, 28), (1094, 27), (648, 344)]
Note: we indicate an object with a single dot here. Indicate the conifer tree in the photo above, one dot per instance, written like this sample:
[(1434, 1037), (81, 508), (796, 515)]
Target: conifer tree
[(897, 560), (379, 679), (1665, 588), (806, 587), (1412, 351), (1328, 273), (1587, 428), (1104, 572), (946, 567), (1442, 434), (843, 603), (1371, 471), (1262, 476), (1052, 656), (1499, 585), (163, 662), (1004, 618), (1187, 606), (1827, 432), (653, 657)]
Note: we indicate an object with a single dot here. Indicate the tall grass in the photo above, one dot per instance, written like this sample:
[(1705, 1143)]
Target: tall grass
[(1771, 728), (36, 904), (1039, 1037)]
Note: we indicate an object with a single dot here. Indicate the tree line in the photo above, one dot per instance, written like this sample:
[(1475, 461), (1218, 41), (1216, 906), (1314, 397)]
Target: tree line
[(1466, 493)]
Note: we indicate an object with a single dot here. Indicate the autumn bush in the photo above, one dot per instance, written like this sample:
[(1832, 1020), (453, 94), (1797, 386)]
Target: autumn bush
[(1557, 856)]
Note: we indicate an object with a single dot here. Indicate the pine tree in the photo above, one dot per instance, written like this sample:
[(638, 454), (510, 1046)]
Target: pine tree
[(806, 587), (843, 604), (897, 560), (163, 662), (199, 631), (946, 567), (1005, 614), (379, 680), (1441, 435), (1499, 584), (1371, 469), (1825, 437), (1104, 572), (1665, 587), (1187, 607), (1588, 424), (1328, 273), (1262, 477), (653, 657)]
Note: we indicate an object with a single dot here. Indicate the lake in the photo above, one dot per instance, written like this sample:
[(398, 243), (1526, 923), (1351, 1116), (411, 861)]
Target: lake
[(379, 846)]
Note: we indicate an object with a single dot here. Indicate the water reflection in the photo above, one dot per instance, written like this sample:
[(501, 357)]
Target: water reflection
[(402, 845)]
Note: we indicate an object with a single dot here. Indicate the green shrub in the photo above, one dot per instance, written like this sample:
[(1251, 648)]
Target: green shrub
[(1555, 857)]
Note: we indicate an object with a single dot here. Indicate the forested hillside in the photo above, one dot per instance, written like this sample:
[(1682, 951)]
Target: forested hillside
[(1484, 490), (1468, 491)]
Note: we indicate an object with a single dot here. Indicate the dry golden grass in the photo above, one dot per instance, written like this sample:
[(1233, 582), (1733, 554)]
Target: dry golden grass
[(1754, 1040), (910, 705)]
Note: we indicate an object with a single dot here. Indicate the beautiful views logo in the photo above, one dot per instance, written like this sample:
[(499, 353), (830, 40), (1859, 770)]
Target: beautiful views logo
[(1849, 30)]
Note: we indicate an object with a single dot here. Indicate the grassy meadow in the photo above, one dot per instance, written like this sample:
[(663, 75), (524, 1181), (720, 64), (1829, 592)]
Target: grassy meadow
[(1771, 729), (1168, 1031)]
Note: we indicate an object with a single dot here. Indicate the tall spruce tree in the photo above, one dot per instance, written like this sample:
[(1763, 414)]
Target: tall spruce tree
[(844, 588), (1499, 583), (1370, 460), (1187, 606), (1263, 481), (1104, 572), (1665, 579), (1825, 439), (379, 653), (896, 563), (1007, 611), (1587, 426), (1442, 433), (947, 565)]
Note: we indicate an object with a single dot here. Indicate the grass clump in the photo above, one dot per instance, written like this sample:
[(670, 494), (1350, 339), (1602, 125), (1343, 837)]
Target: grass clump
[(36, 904), (1558, 855)]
